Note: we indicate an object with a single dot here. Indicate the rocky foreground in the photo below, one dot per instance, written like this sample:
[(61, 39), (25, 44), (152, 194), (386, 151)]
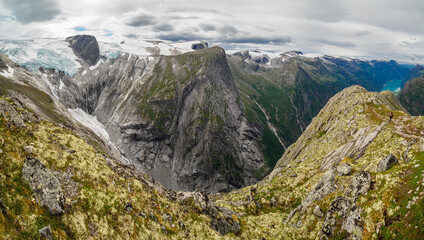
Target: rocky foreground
[(353, 173)]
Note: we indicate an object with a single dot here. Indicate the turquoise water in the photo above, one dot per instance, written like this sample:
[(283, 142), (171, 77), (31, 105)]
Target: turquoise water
[(393, 86)]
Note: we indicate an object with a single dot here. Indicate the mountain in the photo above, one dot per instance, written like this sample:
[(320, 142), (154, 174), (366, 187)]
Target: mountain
[(416, 72), (353, 173), (178, 118), (291, 88), (412, 96), (198, 119)]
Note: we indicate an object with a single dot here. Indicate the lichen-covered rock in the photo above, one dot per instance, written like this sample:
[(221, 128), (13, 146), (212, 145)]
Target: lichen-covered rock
[(44, 184), (9, 113), (324, 187), (360, 184), (225, 225), (46, 232), (344, 169), (387, 163)]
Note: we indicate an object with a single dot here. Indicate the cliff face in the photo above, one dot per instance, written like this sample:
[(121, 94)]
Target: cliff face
[(178, 118)]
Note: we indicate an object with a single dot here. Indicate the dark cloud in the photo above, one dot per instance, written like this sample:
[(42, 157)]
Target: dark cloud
[(130, 35), (362, 33), (260, 40), (27, 11), (207, 27), (140, 20), (163, 28), (180, 36), (177, 17), (227, 29), (336, 43)]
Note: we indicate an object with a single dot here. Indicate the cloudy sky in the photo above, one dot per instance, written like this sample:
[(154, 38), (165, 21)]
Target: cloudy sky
[(388, 29)]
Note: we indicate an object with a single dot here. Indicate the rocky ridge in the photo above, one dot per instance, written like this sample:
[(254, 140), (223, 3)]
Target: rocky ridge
[(352, 129)]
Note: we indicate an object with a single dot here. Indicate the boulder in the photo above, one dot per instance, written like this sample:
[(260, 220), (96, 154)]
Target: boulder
[(293, 175), (46, 232), (317, 212), (360, 184), (344, 169), (44, 184), (387, 163), (273, 202), (128, 207), (29, 149), (421, 144)]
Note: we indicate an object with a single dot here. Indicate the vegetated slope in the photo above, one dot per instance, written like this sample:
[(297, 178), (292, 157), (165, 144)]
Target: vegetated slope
[(339, 180), (72, 188), (334, 174), (412, 96)]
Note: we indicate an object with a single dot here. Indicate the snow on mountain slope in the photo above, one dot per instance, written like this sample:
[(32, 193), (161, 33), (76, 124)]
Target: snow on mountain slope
[(56, 53), (45, 52), (144, 48)]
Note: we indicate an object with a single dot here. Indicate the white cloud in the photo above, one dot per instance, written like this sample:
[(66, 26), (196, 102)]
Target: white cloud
[(360, 28)]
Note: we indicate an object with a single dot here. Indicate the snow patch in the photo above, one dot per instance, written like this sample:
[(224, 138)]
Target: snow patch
[(61, 85), (97, 65), (9, 73), (51, 87), (84, 72), (91, 122)]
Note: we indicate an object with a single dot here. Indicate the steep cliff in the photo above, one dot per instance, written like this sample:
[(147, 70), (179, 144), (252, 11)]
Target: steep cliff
[(178, 118)]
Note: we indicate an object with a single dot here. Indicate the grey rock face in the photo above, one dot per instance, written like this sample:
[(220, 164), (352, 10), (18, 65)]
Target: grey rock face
[(387, 163), (344, 169), (177, 118), (422, 144), (344, 210), (324, 187), (44, 184), (85, 47), (46, 232)]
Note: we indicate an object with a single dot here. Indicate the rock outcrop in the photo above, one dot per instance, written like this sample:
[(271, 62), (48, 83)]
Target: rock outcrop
[(387, 163), (44, 184), (46, 232), (344, 169), (85, 47), (199, 46)]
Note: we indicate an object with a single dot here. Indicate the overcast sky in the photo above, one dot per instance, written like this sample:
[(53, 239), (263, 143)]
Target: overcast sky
[(389, 29)]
